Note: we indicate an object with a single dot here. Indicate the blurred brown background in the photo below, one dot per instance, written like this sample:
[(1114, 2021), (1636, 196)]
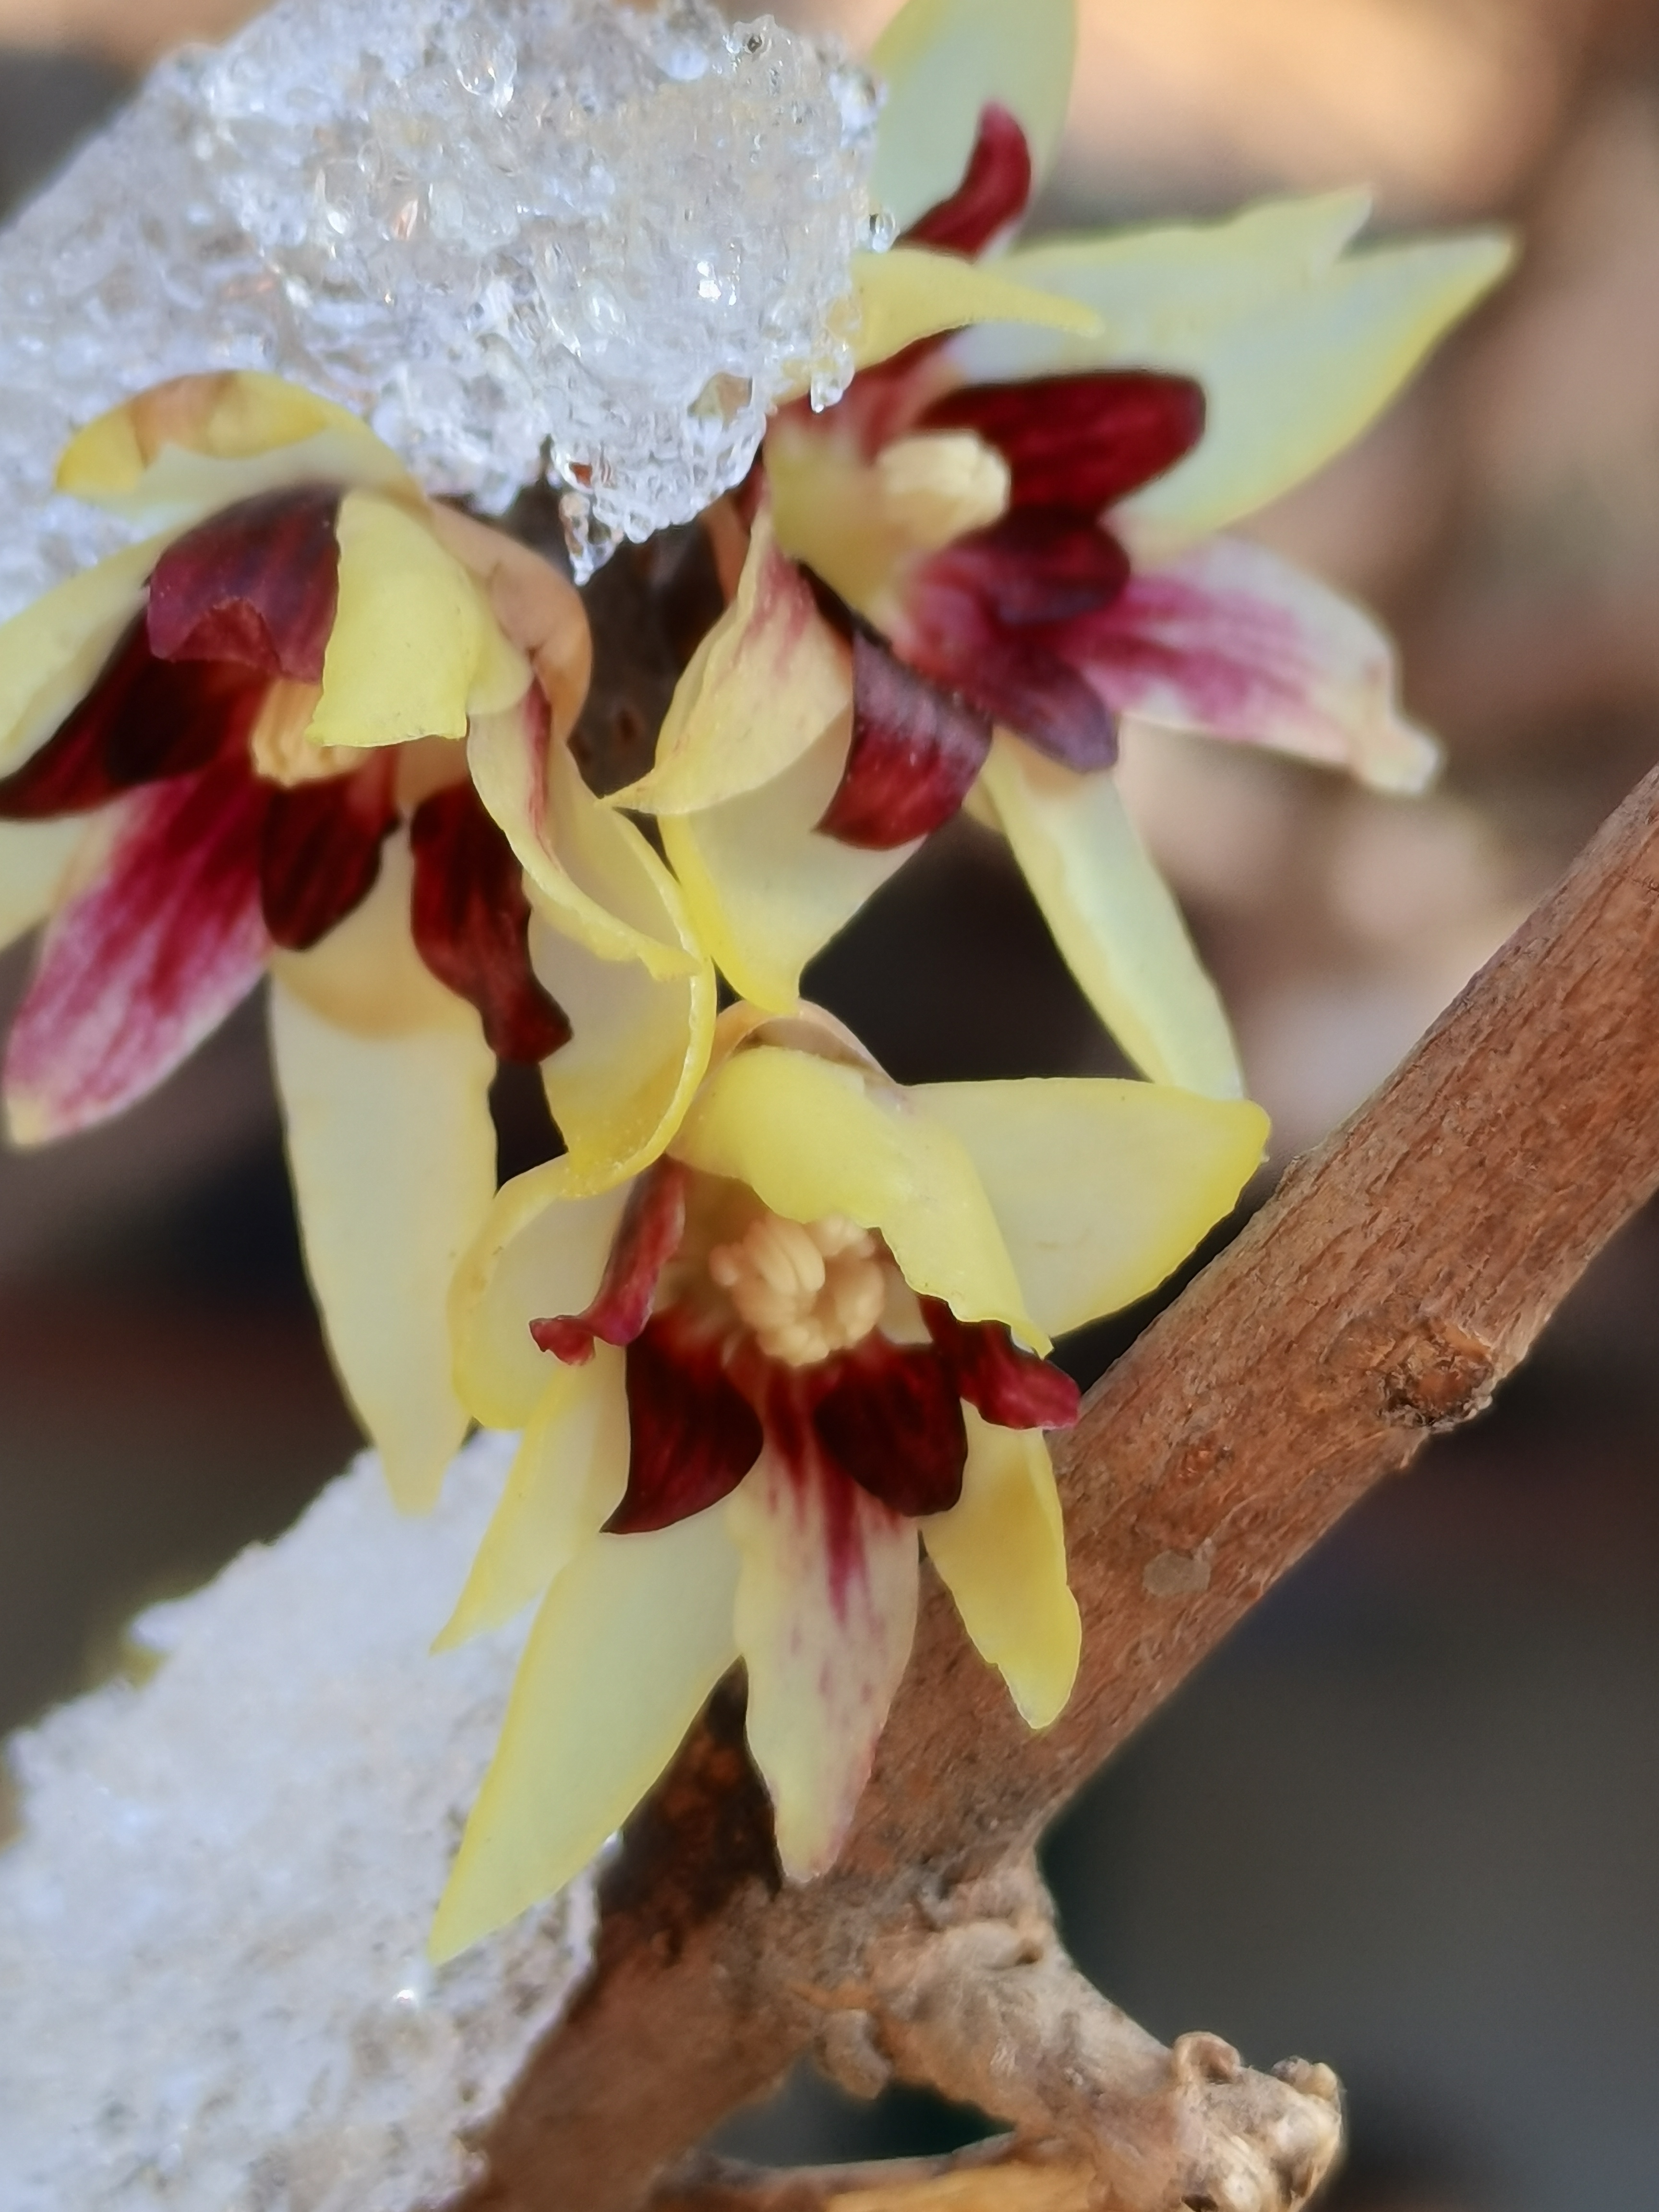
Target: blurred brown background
[(1409, 1821)]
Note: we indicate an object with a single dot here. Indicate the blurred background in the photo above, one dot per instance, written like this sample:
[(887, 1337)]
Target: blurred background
[(1407, 1820)]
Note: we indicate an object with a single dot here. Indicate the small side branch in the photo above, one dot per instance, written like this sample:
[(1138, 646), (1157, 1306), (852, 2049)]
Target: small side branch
[(1397, 1276)]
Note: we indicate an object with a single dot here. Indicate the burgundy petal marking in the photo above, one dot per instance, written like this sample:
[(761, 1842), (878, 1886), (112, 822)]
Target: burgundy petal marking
[(142, 719), (258, 584), (319, 855), (915, 752), (1013, 675), (138, 969), (888, 1416), (693, 1435), (647, 1237), (1080, 442), (993, 194), (1001, 1380), (1037, 565), (470, 920)]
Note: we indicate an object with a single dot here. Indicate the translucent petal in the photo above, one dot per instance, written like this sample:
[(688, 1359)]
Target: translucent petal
[(50, 653), (182, 449), (414, 649), (1230, 640), (591, 871), (631, 1639), (1001, 1552), (912, 293), (566, 1480), (826, 1612), (1297, 351), (813, 1137), (620, 1088), (942, 61), (1100, 1187), (540, 1251), (766, 893), (393, 1152), (764, 685), (1118, 928), (36, 861)]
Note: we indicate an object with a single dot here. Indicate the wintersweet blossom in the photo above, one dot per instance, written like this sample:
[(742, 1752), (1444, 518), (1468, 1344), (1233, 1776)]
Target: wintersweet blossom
[(751, 1377), (959, 578), (237, 746)]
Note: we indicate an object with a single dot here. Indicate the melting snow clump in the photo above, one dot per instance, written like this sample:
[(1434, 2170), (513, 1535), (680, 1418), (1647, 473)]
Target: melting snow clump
[(212, 1926), (507, 231)]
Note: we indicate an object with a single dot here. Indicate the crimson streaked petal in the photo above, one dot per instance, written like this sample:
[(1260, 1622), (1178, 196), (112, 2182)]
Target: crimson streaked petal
[(890, 1419), (1000, 1379), (647, 1237), (1015, 676), (135, 972), (916, 750), (1080, 442), (319, 853), (1036, 565), (993, 194), (143, 719), (692, 1434), (470, 920), (257, 584)]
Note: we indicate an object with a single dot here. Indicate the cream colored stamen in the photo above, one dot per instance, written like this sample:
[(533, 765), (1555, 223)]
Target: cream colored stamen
[(940, 483), (806, 1288), (281, 749)]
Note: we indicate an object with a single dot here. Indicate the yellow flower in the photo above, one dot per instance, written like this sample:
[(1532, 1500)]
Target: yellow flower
[(750, 1378), (315, 724), (962, 576)]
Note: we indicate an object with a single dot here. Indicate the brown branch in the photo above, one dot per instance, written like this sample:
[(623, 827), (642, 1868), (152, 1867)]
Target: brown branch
[(1400, 1271)]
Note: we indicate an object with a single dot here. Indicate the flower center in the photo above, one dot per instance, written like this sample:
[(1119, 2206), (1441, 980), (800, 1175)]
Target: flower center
[(806, 1288), (937, 486)]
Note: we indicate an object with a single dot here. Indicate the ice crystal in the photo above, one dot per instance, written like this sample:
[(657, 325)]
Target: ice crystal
[(565, 231), (212, 1927)]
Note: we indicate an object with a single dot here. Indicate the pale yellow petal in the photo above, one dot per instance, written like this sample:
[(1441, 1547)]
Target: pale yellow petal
[(540, 1252), (566, 1480), (912, 293), (767, 680), (1001, 1554), (632, 1637), (766, 893), (1161, 288), (639, 1044), (412, 639), (53, 649), (942, 61), (813, 1137), (1100, 1187), (36, 861), (366, 975), (182, 449), (1298, 351), (1114, 919), (825, 1614), (591, 871), (393, 1152)]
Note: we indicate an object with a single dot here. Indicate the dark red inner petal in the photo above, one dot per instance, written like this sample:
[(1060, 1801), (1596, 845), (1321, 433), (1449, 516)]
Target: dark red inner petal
[(1036, 565), (997, 1377), (647, 1237), (471, 924), (257, 584), (143, 719), (692, 1434), (889, 1417), (993, 192), (915, 752), (1015, 676), (1080, 442), (320, 852)]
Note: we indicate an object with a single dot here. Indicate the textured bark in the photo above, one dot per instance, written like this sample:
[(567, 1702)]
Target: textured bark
[(1398, 1274)]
